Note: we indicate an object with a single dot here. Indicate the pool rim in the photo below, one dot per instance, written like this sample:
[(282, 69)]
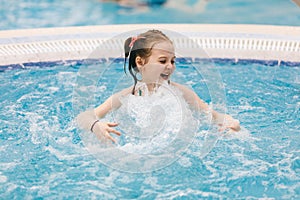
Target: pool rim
[(220, 41)]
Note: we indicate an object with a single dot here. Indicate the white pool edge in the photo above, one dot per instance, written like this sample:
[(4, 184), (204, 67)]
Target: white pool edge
[(259, 42)]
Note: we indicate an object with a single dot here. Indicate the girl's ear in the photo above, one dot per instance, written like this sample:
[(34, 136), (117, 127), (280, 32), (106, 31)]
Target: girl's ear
[(139, 62)]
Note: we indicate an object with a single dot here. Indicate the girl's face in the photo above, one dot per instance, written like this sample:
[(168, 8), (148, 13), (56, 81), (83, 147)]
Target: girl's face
[(160, 65)]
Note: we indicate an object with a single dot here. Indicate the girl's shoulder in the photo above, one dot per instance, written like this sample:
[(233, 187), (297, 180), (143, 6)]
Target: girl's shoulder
[(124, 92), (188, 94), (181, 87)]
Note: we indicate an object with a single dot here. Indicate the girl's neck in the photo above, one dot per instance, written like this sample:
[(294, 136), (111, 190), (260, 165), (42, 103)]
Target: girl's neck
[(144, 88), (152, 87)]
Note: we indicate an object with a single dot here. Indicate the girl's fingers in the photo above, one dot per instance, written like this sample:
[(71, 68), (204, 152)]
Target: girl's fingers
[(112, 124), (111, 138), (105, 130), (235, 125), (235, 128), (111, 130), (108, 136)]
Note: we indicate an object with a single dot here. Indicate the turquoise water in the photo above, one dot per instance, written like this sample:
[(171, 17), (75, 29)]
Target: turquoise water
[(35, 14), (43, 155)]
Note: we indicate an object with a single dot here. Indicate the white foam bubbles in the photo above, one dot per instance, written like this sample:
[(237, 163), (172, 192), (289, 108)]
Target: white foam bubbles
[(156, 129), (151, 123)]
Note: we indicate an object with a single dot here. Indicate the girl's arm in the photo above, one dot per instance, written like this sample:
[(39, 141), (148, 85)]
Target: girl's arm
[(89, 120), (223, 120)]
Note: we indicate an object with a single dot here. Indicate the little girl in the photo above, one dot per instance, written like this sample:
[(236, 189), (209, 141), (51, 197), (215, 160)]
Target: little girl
[(152, 55)]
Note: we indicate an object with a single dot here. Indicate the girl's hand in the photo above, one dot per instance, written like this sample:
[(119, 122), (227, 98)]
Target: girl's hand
[(227, 122), (105, 129)]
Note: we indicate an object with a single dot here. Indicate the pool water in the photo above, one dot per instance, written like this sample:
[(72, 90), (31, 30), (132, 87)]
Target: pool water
[(43, 154), (55, 13)]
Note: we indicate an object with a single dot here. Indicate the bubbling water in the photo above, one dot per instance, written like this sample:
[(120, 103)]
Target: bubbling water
[(151, 123), (157, 129)]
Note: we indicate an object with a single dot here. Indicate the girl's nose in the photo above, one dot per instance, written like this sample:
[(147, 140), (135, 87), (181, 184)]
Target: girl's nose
[(170, 66)]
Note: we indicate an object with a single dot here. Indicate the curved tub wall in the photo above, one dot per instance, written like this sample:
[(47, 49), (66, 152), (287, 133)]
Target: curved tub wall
[(259, 42)]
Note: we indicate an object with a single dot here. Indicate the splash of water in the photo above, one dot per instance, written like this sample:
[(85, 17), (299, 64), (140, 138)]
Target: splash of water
[(151, 123)]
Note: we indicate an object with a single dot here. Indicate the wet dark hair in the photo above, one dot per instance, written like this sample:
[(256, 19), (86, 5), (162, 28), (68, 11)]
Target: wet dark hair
[(141, 46)]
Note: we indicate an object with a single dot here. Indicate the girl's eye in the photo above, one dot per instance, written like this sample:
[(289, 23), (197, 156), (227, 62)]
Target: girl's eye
[(162, 61), (173, 62)]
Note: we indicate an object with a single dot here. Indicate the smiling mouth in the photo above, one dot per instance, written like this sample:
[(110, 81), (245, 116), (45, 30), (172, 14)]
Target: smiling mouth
[(165, 76)]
